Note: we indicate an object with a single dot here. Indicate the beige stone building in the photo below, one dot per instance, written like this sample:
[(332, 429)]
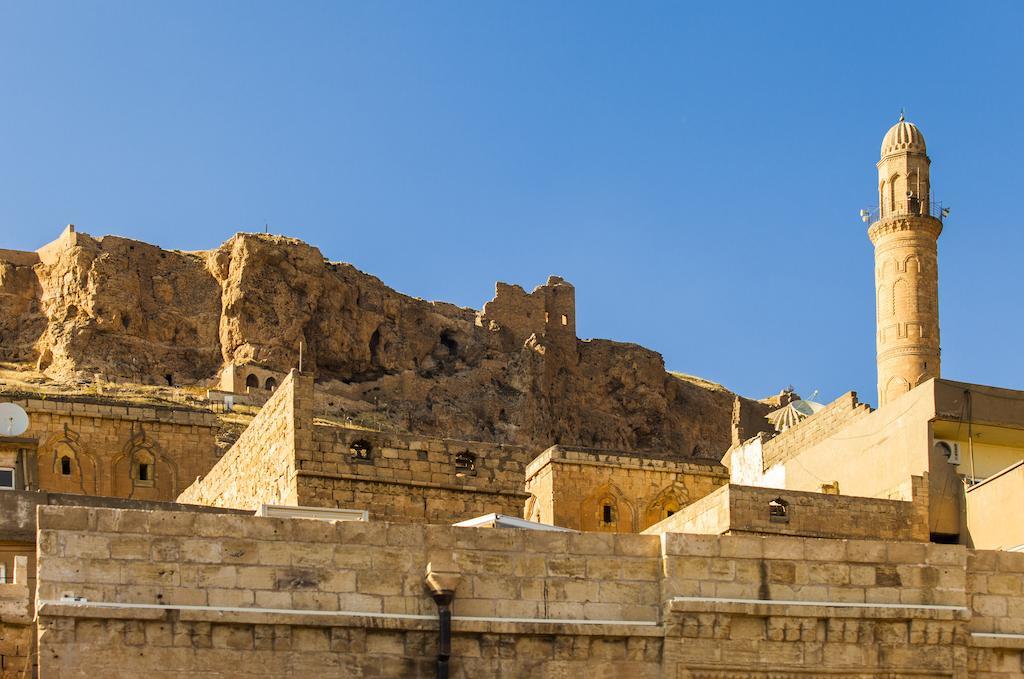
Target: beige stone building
[(282, 540)]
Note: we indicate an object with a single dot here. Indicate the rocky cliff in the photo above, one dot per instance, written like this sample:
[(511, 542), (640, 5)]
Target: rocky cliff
[(515, 371)]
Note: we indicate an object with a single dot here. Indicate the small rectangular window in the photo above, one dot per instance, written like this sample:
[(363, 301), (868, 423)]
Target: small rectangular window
[(6, 478), (143, 472), (465, 464), (607, 514)]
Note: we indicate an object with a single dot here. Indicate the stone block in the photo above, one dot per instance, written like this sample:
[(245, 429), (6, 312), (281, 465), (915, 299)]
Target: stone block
[(741, 546)]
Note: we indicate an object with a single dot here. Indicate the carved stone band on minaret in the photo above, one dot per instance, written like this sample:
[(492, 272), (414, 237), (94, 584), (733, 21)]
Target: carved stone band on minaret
[(891, 225)]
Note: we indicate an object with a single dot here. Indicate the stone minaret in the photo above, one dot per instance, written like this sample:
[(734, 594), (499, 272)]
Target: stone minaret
[(906, 265)]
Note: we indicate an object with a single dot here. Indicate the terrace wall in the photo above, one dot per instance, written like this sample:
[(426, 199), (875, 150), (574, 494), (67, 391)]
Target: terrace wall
[(179, 594)]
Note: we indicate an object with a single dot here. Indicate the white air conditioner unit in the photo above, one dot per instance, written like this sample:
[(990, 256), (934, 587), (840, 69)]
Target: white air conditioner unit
[(951, 449)]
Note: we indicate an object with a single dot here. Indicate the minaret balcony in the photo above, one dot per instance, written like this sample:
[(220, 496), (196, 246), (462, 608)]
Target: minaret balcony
[(911, 207)]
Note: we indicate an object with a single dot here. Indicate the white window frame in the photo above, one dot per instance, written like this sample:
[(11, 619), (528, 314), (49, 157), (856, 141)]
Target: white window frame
[(14, 478)]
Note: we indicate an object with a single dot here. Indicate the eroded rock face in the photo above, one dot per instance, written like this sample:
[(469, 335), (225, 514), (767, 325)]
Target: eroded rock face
[(119, 308), (513, 372), (21, 319)]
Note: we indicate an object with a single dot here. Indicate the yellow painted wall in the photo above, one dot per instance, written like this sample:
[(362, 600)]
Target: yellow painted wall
[(873, 456), (995, 510)]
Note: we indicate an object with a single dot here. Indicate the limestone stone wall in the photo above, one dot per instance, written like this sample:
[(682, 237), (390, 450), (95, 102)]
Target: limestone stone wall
[(250, 379), (16, 630), (996, 591), (995, 582), (401, 477), (18, 520), (737, 510), (260, 467), (283, 457), (282, 597), (408, 501), (814, 429), (748, 417), (15, 648), (607, 491), (105, 444), (740, 601)]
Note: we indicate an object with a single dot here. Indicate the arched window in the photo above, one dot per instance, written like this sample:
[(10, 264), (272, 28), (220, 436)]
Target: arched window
[(778, 511), (65, 466), (669, 501), (609, 513), (361, 451), (143, 468), (270, 384), (252, 382)]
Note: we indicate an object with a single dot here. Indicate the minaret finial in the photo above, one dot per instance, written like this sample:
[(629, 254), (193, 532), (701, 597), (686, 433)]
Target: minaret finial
[(903, 112)]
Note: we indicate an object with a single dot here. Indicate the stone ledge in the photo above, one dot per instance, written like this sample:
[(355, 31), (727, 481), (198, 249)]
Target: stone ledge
[(109, 409), (85, 609), (819, 609), (415, 484), (728, 671), (997, 640), (598, 457), (360, 619)]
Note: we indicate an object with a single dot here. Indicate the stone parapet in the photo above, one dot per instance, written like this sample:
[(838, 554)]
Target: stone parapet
[(736, 509), (260, 467), (600, 490), (109, 411), (178, 593), (814, 429), (622, 460), (396, 457)]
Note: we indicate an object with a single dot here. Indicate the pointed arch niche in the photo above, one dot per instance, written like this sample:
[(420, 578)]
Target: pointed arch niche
[(70, 468), (605, 509), (666, 503), (142, 471)]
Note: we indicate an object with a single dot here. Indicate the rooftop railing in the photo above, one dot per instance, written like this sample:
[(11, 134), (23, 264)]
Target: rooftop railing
[(909, 207)]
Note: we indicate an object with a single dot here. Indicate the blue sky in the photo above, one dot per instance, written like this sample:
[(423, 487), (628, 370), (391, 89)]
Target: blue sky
[(694, 169)]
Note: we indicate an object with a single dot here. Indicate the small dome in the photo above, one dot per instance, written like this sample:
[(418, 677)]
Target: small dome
[(903, 136)]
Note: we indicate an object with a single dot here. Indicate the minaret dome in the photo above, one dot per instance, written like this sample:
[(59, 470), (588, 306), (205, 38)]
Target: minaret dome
[(903, 136)]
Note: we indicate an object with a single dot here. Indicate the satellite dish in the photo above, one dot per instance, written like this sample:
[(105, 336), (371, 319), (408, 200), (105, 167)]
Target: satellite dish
[(13, 419)]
